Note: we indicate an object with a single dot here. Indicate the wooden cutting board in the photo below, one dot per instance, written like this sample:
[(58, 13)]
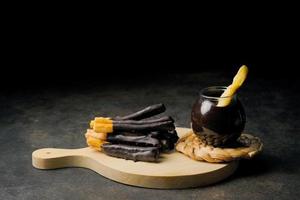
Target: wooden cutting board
[(174, 170)]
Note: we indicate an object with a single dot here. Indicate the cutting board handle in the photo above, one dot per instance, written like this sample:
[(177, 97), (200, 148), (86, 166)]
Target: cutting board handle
[(51, 158)]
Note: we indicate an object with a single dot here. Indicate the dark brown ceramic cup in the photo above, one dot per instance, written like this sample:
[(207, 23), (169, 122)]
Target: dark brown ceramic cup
[(217, 125)]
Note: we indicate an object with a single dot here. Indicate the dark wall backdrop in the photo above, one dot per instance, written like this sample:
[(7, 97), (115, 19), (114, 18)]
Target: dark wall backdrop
[(43, 47), (51, 61)]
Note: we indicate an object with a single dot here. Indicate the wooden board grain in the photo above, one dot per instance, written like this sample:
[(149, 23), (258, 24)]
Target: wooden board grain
[(174, 170)]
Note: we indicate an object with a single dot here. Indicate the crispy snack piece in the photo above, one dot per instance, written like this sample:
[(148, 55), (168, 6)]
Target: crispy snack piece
[(193, 147)]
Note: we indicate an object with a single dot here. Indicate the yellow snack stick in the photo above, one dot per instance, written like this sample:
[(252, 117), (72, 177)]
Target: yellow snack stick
[(103, 120), (94, 143), (92, 133), (237, 82), (103, 128)]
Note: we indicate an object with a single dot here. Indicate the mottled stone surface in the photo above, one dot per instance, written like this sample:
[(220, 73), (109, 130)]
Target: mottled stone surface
[(58, 116)]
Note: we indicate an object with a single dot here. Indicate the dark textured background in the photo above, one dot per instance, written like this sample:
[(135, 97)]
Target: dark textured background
[(55, 111)]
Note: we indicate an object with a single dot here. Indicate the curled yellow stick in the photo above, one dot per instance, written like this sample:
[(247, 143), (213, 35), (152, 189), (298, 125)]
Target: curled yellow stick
[(238, 80)]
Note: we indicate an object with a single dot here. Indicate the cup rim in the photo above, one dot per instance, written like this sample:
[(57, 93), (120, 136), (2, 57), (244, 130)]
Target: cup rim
[(217, 87)]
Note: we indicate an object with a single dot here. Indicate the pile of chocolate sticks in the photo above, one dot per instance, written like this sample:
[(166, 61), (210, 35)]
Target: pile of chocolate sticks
[(135, 136)]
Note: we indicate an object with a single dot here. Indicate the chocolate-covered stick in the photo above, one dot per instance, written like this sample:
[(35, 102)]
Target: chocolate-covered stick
[(148, 121), (106, 125), (145, 113), (166, 138), (136, 140), (104, 120), (157, 126), (169, 135), (149, 154)]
